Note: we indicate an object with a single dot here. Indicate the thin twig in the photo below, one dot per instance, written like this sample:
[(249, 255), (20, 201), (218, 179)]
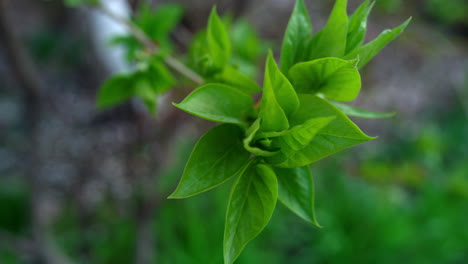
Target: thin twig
[(146, 41)]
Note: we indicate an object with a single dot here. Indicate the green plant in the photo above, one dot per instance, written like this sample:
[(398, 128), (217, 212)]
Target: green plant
[(266, 145)]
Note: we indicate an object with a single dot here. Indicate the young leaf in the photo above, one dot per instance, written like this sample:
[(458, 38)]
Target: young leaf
[(284, 92), (251, 205), (246, 43), (143, 89), (238, 80), (335, 78), (369, 50), (357, 26), (218, 40), (250, 136), (218, 102), (296, 38), (293, 143), (331, 40), (272, 115), (158, 23), (296, 191), (360, 112), (199, 56), (218, 155), (159, 77), (115, 90), (339, 134)]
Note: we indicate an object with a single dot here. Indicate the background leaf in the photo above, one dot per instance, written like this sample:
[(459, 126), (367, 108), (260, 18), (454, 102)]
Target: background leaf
[(296, 191), (158, 23), (368, 51), (218, 155), (75, 3), (247, 46), (251, 205), (296, 38), (218, 102), (335, 78), (115, 90), (146, 83)]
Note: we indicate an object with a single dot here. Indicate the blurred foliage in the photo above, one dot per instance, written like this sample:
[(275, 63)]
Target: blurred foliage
[(57, 47), (109, 238), (74, 3), (157, 24), (14, 207), (448, 12), (150, 78), (444, 12)]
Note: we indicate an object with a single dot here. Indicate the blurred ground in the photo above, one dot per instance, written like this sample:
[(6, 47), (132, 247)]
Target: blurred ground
[(99, 180)]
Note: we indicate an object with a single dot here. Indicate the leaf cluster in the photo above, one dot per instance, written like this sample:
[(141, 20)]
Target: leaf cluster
[(268, 145), (150, 77)]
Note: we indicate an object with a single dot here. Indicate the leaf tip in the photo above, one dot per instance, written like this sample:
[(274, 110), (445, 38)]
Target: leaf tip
[(176, 195)]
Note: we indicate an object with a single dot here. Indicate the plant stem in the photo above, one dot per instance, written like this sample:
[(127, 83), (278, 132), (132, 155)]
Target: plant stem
[(146, 41)]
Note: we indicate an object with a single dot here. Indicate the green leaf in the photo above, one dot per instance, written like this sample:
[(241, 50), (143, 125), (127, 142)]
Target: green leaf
[(339, 134), (368, 51), (251, 205), (296, 191), (357, 26), (159, 76), (218, 155), (331, 40), (145, 91), (296, 38), (246, 43), (199, 56), (218, 102), (293, 144), (335, 78), (279, 99), (272, 116), (360, 112), (75, 3), (168, 17), (218, 40), (284, 92), (115, 90), (238, 80), (158, 23), (250, 135), (145, 83), (130, 44)]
